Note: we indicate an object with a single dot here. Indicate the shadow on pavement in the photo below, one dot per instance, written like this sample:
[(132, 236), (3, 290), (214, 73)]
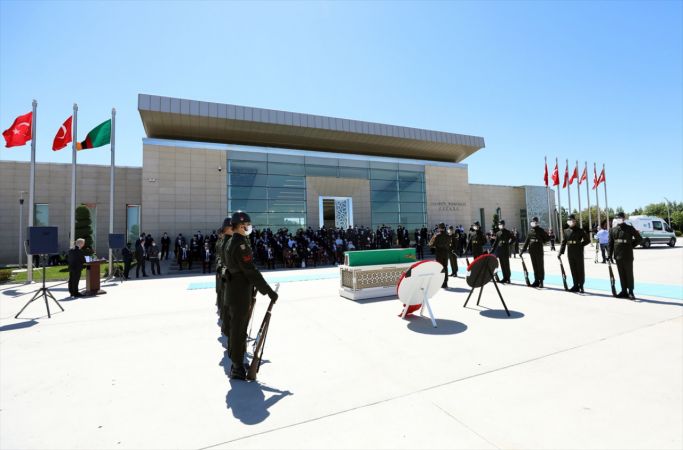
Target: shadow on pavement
[(18, 326), (247, 399), (423, 325), (500, 314)]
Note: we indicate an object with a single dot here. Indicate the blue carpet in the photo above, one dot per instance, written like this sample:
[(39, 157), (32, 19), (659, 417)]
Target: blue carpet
[(272, 279)]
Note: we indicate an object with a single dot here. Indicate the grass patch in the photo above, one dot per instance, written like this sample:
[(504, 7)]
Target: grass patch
[(53, 273)]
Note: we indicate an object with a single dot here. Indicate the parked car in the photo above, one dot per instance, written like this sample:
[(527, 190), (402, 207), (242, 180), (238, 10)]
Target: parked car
[(653, 230)]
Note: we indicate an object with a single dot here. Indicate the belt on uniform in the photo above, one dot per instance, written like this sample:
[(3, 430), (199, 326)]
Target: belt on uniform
[(572, 242), (474, 242), (533, 240), (621, 241)]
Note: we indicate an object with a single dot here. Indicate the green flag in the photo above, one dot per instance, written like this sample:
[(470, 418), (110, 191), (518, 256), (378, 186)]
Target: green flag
[(98, 136)]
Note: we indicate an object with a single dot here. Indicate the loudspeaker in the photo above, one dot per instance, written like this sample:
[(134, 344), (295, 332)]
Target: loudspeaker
[(42, 240), (117, 241)]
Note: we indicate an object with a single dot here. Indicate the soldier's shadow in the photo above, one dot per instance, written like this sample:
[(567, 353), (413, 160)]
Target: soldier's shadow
[(247, 399)]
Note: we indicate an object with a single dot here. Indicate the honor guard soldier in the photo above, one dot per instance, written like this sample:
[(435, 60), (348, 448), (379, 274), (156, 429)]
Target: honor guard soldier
[(475, 241), (501, 248), (225, 233), (535, 239), (623, 238), (454, 241), (243, 278), (575, 239), (441, 243)]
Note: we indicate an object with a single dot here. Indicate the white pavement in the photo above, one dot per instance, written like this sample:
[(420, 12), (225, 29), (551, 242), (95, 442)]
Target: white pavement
[(143, 367)]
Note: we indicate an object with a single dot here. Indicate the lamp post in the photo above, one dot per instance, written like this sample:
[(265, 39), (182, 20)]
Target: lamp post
[(21, 227), (668, 212)]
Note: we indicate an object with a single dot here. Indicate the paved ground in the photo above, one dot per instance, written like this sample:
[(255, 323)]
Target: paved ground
[(143, 367)]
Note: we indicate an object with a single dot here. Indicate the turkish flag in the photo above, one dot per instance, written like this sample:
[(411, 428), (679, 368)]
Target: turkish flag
[(575, 175), (545, 175), (20, 132), (601, 178), (584, 176), (595, 178), (556, 176), (63, 136), (566, 175)]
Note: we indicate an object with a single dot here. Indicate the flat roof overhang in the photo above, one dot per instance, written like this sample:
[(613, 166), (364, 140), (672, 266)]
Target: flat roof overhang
[(173, 118)]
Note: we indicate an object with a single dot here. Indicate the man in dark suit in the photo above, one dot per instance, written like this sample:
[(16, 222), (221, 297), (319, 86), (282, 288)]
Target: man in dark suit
[(165, 245), (76, 260), (140, 256), (207, 258), (127, 260)]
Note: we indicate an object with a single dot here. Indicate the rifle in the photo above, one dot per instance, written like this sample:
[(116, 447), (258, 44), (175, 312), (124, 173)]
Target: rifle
[(526, 272), (260, 341), (597, 245), (611, 278), (564, 274)]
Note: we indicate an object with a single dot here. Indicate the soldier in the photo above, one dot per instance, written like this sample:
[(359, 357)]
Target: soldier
[(243, 277), (476, 240), (623, 238), (454, 241), (575, 239), (221, 276), (534, 242), (441, 243), (501, 247)]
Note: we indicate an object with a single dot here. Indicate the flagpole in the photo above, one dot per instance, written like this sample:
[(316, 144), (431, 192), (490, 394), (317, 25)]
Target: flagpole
[(588, 198), (569, 192), (32, 186), (597, 199), (559, 203), (604, 182), (74, 142), (547, 193), (578, 194), (111, 188)]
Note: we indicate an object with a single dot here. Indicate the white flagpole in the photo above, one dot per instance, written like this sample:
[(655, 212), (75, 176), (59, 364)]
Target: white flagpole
[(32, 186), (74, 142), (597, 198), (588, 198), (547, 194), (569, 192), (578, 194), (111, 188), (559, 203), (609, 224)]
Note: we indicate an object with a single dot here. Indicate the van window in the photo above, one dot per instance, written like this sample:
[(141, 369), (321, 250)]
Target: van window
[(657, 225)]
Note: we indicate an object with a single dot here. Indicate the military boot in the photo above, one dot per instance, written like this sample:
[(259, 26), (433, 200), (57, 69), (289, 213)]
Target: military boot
[(237, 372)]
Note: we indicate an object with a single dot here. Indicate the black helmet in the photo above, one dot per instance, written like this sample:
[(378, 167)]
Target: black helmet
[(227, 222), (571, 217), (240, 217), (502, 222), (621, 215), (442, 225), (476, 223), (534, 219)]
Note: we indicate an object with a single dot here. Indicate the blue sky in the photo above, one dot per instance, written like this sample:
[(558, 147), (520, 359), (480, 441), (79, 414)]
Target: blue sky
[(594, 81)]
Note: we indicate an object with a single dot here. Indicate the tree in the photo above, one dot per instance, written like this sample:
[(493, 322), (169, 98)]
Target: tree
[(84, 229), (495, 221)]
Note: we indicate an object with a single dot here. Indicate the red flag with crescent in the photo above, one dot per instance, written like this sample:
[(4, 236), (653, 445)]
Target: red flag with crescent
[(566, 176), (20, 132), (575, 174), (584, 176), (63, 136), (545, 175), (595, 178), (556, 176)]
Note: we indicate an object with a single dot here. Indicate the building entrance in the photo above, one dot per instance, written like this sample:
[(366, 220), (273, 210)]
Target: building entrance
[(336, 212)]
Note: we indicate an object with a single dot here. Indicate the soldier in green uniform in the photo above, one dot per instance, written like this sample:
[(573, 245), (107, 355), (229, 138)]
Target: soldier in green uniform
[(501, 248), (221, 275), (243, 278), (475, 240), (454, 242), (623, 238), (535, 239), (575, 239), (441, 243)]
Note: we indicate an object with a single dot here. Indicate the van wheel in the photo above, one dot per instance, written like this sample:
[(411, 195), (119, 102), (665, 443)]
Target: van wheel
[(646, 243), (672, 242)]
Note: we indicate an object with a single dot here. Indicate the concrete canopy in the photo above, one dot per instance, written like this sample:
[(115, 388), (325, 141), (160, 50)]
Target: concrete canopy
[(173, 118)]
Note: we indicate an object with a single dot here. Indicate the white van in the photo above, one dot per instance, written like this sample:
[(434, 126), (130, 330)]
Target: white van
[(653, 230)]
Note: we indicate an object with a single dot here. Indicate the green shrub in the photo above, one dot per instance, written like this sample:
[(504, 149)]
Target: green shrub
[(678, 233), (5, 275)]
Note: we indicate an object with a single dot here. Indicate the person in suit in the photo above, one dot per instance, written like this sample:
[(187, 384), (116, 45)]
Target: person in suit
[(127, 256), (207, 257), (76, 260), (165, 245), (140, 255), (153, 253)]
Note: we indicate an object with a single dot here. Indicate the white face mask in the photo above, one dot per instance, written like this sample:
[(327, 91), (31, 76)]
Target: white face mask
[(618, 221), (475, 228), (534, 224), (571, 223), (248, 230), (500, 227)]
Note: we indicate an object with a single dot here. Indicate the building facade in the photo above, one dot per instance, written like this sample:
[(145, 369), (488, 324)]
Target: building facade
[(201, 161)]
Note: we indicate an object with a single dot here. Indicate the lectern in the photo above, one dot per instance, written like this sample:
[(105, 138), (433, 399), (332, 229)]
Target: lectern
[(92, 279)]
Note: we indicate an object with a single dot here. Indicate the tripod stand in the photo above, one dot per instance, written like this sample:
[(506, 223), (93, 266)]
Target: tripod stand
[(42, 292), (116, 271)]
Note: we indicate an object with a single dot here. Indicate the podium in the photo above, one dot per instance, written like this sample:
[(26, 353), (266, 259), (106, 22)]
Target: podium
[(92, 279)]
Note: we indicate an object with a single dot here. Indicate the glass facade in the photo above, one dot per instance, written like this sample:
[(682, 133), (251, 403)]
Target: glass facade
[(272, 187), (41, 215), (132, 223)]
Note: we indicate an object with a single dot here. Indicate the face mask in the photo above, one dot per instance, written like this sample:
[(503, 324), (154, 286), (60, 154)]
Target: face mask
[(500, 227), (618, 221), (570, 223), (248, 230), (475, 228), (534, 224)]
